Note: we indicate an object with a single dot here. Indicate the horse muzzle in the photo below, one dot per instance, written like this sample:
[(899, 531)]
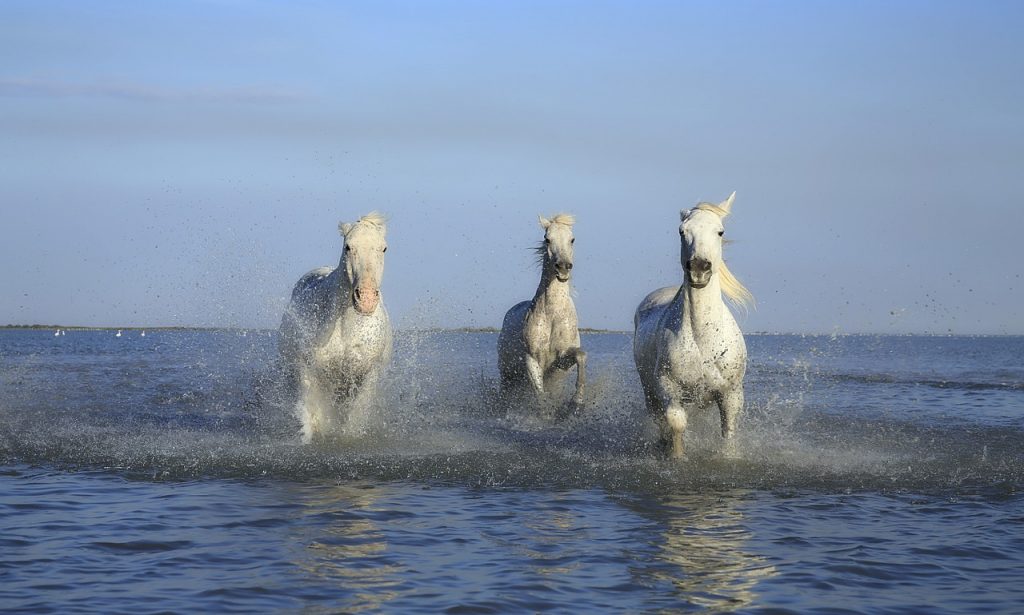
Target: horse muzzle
[(562, 271), (698, 271), (365, 299)]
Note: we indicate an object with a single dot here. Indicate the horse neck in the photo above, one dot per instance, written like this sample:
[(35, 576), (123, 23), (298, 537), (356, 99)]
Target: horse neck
[(341, 288), (550, 292), (702, 308)]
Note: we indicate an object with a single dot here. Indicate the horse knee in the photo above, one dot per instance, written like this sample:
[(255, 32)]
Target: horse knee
[(729, 408), (676, 418)]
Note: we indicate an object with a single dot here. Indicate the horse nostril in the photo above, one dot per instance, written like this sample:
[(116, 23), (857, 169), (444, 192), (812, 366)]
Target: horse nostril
[(569, 266), (699, 265)]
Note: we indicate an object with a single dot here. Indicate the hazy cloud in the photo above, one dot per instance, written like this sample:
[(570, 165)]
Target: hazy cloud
[(145, 92)]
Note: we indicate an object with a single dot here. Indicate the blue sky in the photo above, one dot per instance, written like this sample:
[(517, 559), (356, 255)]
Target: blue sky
[(184, 163)]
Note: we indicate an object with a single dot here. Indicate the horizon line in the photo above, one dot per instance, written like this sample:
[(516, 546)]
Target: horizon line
[(464, 329)]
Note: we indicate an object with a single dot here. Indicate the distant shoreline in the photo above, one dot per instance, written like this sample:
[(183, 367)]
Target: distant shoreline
[(586, 330), (132, 328), (197, 328)]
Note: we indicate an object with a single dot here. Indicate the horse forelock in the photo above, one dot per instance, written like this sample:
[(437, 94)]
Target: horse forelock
[(375, 219), (711, 208), (563, 218)]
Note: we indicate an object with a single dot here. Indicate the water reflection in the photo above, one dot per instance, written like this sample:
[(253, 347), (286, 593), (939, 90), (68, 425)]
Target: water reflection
[(700, 551), (341, 546), (549, 539)]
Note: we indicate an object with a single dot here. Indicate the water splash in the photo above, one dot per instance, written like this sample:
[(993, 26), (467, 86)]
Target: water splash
[(216, 405)]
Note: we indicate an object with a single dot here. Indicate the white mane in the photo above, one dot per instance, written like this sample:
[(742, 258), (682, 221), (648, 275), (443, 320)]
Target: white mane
[(373, 219), (563, 218)]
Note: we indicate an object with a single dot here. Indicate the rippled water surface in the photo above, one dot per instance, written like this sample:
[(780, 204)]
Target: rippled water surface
[(164, 473)]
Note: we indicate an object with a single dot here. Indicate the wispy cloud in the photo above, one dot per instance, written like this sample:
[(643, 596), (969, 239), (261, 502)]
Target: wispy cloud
[(145, 92)]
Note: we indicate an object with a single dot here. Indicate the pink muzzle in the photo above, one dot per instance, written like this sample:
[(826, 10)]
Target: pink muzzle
[(365, 299)]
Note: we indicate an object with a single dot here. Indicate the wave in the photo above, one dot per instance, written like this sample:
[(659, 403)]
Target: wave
[(963, 385), (981, 384)]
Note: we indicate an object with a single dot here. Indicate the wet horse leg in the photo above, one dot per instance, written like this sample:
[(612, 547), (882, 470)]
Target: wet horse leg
[(535, 374), (677, 402), (730, 406), (578, 357)]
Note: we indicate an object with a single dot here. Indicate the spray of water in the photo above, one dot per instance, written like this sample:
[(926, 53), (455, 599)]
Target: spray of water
[(220, 406)]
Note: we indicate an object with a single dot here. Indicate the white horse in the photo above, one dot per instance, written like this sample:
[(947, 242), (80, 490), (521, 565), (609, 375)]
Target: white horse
[(688, 349), (540, 339), (335, 335)]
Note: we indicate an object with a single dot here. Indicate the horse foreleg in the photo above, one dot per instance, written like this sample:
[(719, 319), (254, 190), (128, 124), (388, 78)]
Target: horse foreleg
[(675, 416), (674, 401), (730, 406), (581, 375), (311, 407), (535, 374), (361, 397), (578, 357)]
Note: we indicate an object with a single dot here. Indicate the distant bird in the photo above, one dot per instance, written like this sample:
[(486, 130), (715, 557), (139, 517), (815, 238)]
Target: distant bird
[(118, 333), (63, 332), (56, 333), (143, 334)]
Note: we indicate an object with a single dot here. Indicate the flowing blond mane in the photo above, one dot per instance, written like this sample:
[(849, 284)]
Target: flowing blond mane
[(563, 218), (732, 288), (373, 218), (713, 208)]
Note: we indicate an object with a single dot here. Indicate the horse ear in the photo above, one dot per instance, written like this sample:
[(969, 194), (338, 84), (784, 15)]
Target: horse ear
[(344, 228), (544, 222), (727, 203), (682, 214)]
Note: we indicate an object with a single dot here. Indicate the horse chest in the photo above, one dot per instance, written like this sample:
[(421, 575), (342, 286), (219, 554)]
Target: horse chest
[(546, 337), (349, 349), (691, 365)]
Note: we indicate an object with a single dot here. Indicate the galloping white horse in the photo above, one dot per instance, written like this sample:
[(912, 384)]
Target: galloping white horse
[(688, 349), (335, 334), (540, 339)]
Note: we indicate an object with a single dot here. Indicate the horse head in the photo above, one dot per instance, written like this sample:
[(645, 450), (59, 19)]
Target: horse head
[(363, 260), (556, 252), (700, 234)]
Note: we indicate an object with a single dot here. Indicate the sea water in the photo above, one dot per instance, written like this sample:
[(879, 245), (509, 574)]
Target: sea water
[(165, 474)]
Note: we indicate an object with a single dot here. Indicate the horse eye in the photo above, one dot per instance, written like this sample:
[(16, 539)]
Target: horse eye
[(720, 233), (348, 248), (546, 240), (385, 249), (573, 240)]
